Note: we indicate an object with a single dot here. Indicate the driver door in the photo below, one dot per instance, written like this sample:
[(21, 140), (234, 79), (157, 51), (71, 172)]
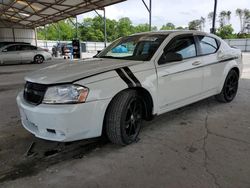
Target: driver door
[(180, 74)]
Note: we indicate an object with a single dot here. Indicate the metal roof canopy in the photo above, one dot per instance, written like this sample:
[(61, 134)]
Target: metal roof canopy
[(35, 13)]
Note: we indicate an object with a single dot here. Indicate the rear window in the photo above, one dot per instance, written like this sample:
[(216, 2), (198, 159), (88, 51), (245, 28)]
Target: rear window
[(208, 45)]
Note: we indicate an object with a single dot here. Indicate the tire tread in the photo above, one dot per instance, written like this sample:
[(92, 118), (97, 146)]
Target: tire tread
[(114, 115)]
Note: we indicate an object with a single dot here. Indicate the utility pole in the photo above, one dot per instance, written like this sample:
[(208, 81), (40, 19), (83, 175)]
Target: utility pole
[(213, 30), (149, 9)]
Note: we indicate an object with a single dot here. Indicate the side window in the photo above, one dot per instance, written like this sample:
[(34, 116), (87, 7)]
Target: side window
[(27, 47), (184, 46), (178, 49), (208, 45), (11, 48)]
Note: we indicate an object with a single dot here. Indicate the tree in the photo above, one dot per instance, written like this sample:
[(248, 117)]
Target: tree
[(240, 13), (62, 30), (224, 18), (124, 27), (245, 18), (194, 25), (228, 16), (226, 32), (210, 16), (202, 24), (246, 13), (154, 28), (91, 29), (168, 26), (141, 28), (180, 28)]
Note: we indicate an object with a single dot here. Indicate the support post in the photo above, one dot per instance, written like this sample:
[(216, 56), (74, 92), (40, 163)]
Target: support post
[(213, 30), (150, 15), (105, 28), (76, 28), (35, 36), (46, 45), (149, 9), (13, 33)]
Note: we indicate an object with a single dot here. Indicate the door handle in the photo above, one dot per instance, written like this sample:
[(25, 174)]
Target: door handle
[(196, 63)]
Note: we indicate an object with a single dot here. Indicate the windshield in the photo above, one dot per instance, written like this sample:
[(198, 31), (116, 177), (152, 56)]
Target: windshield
[(138, 47)]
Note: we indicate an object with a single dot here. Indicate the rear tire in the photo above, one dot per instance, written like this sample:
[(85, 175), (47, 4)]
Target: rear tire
[(230, 88), (38, 59), (124, 118)]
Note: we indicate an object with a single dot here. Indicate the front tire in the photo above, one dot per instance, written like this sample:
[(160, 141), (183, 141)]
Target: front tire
[(124, 118), (38, 59), (230, 87)]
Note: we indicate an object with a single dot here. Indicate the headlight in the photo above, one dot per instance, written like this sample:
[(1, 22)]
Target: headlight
[(68, 93)]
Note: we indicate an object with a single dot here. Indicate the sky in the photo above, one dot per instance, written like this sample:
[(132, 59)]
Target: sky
[(179, 12)]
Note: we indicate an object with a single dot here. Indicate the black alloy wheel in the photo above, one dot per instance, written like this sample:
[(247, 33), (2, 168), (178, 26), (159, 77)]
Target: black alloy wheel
[(230, 87), (133, 120), (123, 118)]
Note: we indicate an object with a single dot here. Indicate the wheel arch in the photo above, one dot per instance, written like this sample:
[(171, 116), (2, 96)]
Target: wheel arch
[(231, 66), (147, 102), (236, 69)]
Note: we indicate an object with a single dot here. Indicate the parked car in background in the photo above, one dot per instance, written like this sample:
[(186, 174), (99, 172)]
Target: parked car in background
[(23, 53), (112, 93)]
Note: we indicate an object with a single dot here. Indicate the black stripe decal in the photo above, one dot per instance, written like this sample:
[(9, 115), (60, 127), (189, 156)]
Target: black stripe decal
[(229, 59), (132, 76), (124, 78)]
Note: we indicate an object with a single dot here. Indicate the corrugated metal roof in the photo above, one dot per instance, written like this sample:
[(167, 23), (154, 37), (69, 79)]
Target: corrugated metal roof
[(34, 13)]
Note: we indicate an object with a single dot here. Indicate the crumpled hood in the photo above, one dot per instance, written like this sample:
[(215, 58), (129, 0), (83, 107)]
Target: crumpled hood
[(74, 70)]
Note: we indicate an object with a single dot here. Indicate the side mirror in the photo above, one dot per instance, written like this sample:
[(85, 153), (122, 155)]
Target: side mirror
[(4, 50), (170, 57)]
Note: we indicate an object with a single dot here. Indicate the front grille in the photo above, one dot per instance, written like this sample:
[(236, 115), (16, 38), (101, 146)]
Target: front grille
[(34, 93)]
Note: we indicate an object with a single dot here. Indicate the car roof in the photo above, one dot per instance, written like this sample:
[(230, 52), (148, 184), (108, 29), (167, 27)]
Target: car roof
[(167, 32), (22, 44)]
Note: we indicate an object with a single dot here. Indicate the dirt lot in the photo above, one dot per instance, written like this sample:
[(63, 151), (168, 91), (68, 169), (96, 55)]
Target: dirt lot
[(206, 144)]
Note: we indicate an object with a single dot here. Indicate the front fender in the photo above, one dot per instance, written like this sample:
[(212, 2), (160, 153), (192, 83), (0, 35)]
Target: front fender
[(107, 85)]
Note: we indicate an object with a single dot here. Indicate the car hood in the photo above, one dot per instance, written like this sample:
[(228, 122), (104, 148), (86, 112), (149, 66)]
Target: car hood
[(74, 70)]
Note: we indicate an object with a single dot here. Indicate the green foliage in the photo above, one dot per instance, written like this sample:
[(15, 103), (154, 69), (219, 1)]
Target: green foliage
[(226, 32), (168, 26), (243, 35), (141, 28), (194, 25), (180, 28), (62, 30), (91, 29)]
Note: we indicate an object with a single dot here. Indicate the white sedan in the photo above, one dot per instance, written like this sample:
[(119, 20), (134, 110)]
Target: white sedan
[(23, 53), (134, 79)]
